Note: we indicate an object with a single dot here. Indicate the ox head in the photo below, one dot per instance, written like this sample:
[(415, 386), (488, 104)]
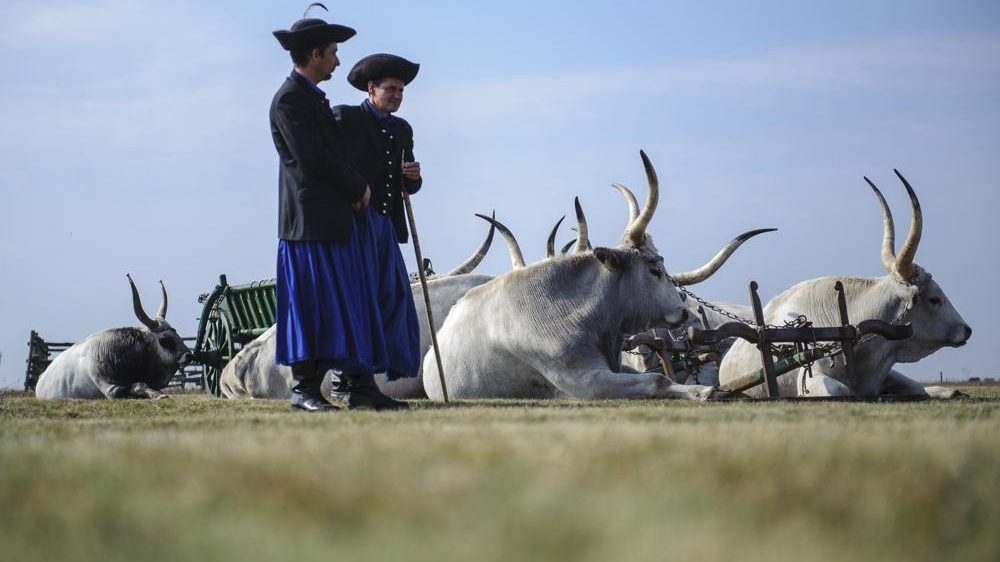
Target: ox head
[(169, 346), (935, 321), (649, 299), (644, 277)]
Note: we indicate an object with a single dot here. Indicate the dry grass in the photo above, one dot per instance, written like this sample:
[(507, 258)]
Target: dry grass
[(202, 479)]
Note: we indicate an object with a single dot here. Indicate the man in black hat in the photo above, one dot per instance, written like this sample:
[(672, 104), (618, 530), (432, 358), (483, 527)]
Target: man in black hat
[(382, 146), (328, 314)]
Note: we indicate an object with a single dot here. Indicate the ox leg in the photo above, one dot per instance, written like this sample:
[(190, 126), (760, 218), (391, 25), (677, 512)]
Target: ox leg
[(143, 390), (819, 385), (671, 389), (603, 384), (125, 391), (898, 383)]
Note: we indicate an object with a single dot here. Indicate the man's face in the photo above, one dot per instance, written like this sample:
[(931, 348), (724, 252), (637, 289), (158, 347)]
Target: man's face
[(387, 96), (326, 61)]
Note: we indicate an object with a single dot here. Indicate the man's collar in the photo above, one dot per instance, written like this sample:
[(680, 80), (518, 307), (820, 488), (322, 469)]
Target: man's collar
[(378, 115), (303, 79)]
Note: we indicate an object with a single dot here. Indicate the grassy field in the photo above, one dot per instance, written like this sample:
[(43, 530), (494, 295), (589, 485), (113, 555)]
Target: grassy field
[(194, 478)]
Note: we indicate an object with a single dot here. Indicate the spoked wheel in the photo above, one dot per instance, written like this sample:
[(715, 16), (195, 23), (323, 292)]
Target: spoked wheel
[(218, 350)]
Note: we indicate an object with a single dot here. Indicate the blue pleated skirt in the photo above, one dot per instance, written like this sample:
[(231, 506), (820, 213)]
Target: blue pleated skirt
[(400, 324), (348, 306), (327, 304)]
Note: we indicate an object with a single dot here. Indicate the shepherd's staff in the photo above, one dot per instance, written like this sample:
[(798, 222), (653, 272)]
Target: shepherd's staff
[(423, 280)]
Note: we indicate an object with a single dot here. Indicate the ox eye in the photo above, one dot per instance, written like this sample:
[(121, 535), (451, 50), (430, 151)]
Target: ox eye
[(657, 272), (936, 301), (168, 344)]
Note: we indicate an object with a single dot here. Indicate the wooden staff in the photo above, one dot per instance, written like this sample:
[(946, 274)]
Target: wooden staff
[(423, 280)]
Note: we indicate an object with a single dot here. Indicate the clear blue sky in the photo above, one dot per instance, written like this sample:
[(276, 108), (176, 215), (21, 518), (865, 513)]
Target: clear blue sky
[(136, 140)]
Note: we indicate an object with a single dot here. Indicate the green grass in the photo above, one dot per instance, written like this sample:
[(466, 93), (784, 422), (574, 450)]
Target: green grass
[(193, 478)]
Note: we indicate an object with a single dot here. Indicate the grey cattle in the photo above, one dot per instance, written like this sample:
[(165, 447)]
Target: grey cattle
[(555, 328), (907, 294), (120, 362), (252, 373)]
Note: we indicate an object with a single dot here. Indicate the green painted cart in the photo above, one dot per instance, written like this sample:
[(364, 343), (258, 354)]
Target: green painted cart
[(232, 316)]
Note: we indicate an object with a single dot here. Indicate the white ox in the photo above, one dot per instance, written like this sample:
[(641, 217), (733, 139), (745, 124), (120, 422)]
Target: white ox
[(906, 295), (252, 373), (555, 328), (120, 362)]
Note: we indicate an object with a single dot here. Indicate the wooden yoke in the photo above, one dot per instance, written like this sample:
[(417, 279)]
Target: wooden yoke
[(763, 336)]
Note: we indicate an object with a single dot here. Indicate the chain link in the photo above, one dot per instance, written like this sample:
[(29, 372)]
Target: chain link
[(789, 324)]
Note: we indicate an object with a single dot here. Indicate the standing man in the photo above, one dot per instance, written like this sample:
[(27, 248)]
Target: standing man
[(383, 150), (327, 306)]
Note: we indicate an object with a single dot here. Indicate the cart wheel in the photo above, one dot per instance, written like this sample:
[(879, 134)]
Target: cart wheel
[(219, 347)]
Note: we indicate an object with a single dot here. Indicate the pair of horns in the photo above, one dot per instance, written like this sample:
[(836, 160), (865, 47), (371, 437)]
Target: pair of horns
[(582, 241), (900, 264), (161, 315), (635, 232)]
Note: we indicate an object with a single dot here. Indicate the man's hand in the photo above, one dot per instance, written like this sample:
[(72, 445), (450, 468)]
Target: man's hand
[(411, 170), (363, 202)]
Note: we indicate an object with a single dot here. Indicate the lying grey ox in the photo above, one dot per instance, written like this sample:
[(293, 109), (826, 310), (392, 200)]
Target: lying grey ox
[(906, 295), (555, 328), (120, 362)]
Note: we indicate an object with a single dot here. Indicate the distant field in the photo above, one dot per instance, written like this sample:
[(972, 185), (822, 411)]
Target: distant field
[(194, 478)]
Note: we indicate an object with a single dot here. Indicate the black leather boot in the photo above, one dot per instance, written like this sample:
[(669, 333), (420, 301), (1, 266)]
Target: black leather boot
[(306, 393), (364, 394)]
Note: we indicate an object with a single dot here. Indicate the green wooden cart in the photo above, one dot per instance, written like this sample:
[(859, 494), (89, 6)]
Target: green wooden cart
[(232, 316)]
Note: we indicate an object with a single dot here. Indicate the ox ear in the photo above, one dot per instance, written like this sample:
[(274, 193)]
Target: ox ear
[(615, 260)]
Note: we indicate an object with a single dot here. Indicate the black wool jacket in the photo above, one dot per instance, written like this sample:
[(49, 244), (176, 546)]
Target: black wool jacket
[(376, 150), (317, 180)]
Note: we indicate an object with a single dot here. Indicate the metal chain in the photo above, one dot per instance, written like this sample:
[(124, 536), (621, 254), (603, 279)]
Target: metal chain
[(709, 305), (789, 324)]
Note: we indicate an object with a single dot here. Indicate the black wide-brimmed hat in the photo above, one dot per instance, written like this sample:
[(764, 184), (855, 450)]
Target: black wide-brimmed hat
[(312, 32), (381, 65)]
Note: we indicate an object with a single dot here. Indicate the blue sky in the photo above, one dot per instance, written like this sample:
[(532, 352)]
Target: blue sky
[(136, 140)]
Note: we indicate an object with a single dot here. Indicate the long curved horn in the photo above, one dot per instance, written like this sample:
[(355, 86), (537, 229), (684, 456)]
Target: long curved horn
[(633, 205), (904, 259), (888, 230), (162, 313), (137, 306), (635, 233), (550, 245), (567, 246), (582, 232), (476, 258), (516, 259), (704, 272)]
